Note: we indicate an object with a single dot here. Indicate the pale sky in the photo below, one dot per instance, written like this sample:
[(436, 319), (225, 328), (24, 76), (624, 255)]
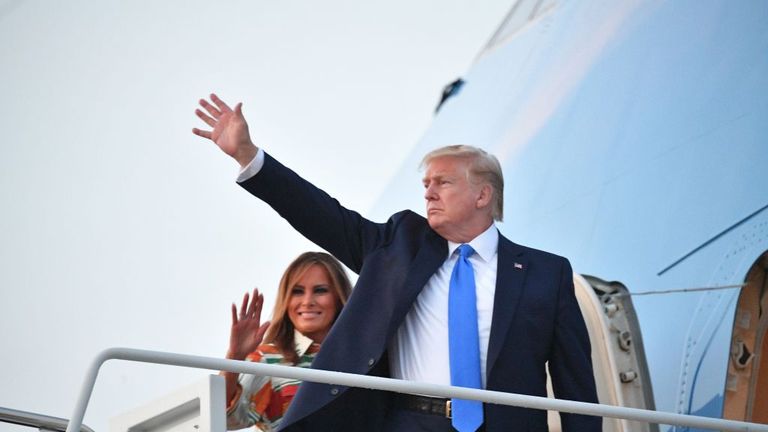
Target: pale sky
[(121, 228)]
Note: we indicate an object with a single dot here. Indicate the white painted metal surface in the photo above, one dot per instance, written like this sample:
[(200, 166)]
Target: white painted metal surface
[(200, 407), (43, 422), (389, 384)]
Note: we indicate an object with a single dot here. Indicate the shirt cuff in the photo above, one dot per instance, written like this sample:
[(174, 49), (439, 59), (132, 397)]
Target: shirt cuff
[(252, 168)]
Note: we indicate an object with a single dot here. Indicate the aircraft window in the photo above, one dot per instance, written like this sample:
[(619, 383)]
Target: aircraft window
[(450, 91), (522, 13), (746, 388)]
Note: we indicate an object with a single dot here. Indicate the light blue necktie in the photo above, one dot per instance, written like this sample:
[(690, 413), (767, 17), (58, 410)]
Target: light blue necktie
[(464, 342)]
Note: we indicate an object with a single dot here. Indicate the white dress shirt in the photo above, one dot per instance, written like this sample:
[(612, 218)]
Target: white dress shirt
[(419, 350)]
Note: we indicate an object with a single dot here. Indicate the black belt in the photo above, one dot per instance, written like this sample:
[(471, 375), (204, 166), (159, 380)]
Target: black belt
[(424, 404)]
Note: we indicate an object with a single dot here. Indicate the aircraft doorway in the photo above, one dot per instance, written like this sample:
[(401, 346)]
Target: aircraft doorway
[(618, 358), (746, 388)]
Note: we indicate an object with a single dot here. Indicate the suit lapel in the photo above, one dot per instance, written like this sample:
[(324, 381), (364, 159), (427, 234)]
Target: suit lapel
[(426, 262), (510, 280)]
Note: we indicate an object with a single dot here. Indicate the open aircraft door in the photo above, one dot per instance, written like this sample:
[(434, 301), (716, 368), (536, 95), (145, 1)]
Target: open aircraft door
[(618, 358), (746, 390)]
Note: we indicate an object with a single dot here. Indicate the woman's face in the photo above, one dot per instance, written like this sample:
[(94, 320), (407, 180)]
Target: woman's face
[(313, 303)]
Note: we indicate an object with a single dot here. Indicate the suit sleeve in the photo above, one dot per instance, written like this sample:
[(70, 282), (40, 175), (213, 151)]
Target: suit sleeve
[(315, 214), (570, 365)]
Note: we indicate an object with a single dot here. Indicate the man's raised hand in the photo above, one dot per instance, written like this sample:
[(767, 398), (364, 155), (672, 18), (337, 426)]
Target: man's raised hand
[(229, 129)]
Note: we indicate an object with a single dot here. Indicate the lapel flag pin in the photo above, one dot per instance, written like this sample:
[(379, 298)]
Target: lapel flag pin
[(518, 266)]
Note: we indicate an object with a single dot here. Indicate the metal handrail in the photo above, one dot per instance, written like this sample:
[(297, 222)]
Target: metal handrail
[(40, 421), (400, 386)]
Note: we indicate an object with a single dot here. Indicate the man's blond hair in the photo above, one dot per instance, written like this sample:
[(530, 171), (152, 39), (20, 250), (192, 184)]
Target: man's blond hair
[(483, 168)]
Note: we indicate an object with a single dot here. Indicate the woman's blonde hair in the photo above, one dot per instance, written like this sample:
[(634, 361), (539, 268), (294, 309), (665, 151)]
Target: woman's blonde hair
[(281, 330)]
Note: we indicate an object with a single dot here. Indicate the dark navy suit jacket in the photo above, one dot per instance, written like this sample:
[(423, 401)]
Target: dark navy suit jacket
[(535, 315)]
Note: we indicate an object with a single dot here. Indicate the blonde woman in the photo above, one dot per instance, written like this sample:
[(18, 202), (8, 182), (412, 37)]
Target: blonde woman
[(312, 292)]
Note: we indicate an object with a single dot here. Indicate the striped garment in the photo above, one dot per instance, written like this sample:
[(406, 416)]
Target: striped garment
[(262, 400)]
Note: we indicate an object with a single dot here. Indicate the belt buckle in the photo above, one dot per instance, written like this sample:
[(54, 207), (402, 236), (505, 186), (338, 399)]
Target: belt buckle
[(448, 412)]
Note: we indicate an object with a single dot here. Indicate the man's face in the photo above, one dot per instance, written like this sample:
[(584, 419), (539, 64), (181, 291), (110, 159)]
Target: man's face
[(452, 201)]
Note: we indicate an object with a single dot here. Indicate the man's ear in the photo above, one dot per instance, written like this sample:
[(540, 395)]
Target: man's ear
[(485, 197)]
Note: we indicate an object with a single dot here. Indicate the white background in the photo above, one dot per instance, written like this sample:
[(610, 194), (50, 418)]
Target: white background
[(118, 227)]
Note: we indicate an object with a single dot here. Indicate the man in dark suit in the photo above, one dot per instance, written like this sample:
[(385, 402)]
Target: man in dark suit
[(408, 316)]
